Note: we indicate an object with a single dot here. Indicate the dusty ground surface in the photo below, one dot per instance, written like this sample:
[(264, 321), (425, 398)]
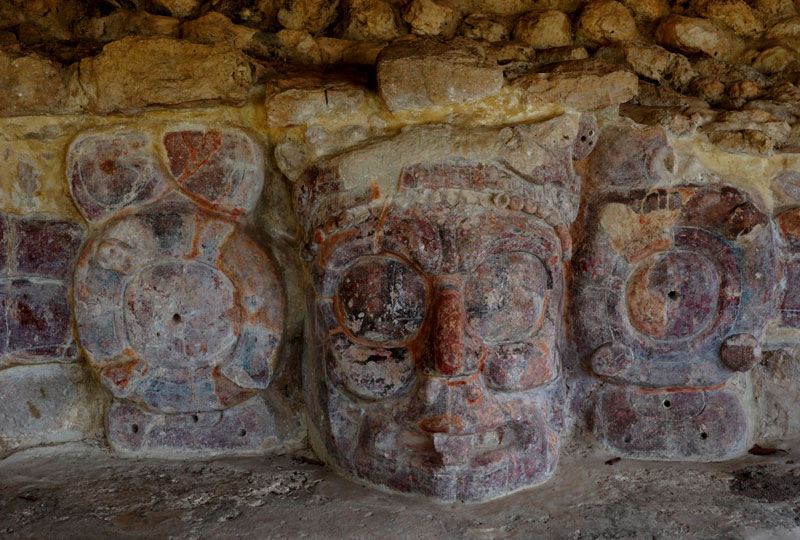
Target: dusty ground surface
[(81, 491)]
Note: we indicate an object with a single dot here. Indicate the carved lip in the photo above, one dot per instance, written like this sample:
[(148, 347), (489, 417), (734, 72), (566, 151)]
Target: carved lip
[(477, 449)]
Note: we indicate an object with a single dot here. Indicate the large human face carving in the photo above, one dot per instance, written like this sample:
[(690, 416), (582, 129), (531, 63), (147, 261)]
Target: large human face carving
[(436, 360)]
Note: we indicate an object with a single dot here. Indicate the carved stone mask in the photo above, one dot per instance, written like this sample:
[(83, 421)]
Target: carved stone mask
[(435, 365), (672, 289)]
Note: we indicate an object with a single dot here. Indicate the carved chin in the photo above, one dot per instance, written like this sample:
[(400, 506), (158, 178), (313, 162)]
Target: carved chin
[(472, 466)]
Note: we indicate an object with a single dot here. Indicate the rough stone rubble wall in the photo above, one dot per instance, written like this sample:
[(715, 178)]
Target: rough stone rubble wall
[(170, 167)]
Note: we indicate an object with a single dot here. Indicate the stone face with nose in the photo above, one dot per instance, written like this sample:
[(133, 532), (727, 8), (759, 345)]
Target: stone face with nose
[(439, 343), (448, 333)]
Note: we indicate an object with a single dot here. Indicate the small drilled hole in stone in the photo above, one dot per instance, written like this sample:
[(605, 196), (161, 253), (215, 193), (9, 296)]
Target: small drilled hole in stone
[(667, 403), (242, 432), (626, 438), (583, 138), (704, 435), (176, 318), (672, 295), (591, 133), (195, 418), (135, 428)]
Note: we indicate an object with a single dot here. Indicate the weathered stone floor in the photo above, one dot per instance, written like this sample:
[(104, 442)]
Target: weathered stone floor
[(82, 491)]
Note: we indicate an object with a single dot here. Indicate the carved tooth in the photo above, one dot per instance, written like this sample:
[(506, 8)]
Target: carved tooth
[(501, 200), (453, 197), (470, 197)]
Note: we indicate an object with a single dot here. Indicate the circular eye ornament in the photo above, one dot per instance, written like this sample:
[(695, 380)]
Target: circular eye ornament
[(178, 311), (381, 300), (506, 296), (667, 279)]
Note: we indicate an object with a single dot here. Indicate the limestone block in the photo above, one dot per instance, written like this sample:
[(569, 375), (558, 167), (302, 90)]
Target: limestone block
[(35, 319), (485, 27), (431, 18), (47, 404), (261, 14), (300, 100), (544, 29), (658, 64), (673, 116), (790, 28), (744, 141), (580, 84), (419, 74), (772, 11), (32, 84), (752, 131), (134, 73), (775, 59), (335, 51), (506, 52), (311, 15), (693, 35), (792, 143), (647, 11), (371, 20), (178, 8), (215, 28), (735, 14), (561, 54), (656, 95), (299, 47), (121, 23), (517, 7), (603, 22), (744, 90)]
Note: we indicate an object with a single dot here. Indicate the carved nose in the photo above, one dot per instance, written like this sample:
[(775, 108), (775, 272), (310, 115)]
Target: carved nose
[(449, 344)]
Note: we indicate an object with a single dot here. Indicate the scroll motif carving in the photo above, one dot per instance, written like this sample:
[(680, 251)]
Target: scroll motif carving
[(672, 289), (179, 310)]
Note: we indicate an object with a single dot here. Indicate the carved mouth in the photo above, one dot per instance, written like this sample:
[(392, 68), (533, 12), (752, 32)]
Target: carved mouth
[(464, 465), (447, 449)]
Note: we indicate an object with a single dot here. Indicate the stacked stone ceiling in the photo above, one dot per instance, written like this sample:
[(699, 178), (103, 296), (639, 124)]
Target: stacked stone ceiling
[(726, 69)]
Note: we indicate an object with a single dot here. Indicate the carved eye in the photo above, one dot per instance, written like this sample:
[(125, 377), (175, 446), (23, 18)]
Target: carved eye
[(505, 296), (381, 300)]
